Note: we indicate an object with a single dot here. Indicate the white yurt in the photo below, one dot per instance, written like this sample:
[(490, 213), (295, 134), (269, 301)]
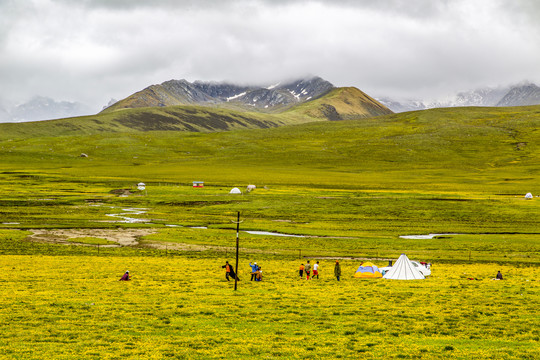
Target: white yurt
[(403, 269)]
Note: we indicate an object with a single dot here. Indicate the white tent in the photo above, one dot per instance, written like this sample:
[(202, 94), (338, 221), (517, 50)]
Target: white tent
[(403, 269), (235, 191), (528, 196)]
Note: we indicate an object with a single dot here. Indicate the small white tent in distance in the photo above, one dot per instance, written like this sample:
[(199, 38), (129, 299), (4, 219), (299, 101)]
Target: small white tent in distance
[(235, 191), (403, 269), (528, 196)]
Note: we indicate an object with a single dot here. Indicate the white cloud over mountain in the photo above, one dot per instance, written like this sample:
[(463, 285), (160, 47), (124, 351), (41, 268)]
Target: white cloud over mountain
[(89, 51)]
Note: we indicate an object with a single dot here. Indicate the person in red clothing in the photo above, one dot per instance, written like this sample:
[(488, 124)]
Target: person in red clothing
[(307, 269), (125, 277), (315, 270)]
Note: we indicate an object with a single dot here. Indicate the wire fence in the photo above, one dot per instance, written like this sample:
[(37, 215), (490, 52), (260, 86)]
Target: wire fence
[(25, 247)]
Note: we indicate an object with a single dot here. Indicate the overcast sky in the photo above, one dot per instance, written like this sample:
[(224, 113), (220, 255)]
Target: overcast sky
[(94, 50)]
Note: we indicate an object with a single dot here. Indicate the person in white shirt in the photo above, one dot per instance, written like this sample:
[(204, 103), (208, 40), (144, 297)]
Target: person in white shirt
[(315, 270)]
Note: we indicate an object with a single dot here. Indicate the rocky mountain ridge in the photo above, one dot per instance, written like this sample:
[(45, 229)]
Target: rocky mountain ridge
[(42, 108), (517, 95), (527, 94), (183, 92)]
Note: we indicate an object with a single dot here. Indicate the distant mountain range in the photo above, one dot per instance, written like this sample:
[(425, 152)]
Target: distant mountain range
[(326, 102), (43, 108), (517, 95), (178, 105), (270, 98)]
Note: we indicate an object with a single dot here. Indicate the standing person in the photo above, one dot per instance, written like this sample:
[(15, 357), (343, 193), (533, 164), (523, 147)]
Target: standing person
[(315, 270), (229, 271), (499, 275), (301, 271), (254, 268), (307, 269), (337, 270)]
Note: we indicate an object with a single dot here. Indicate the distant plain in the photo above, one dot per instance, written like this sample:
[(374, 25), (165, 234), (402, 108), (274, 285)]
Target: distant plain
[(350, 187)]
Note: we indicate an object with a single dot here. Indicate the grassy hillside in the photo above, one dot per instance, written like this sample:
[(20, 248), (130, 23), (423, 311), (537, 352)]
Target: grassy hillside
[(342, 104), (441, 171), (172, 118), (424, 147), (489, 147)]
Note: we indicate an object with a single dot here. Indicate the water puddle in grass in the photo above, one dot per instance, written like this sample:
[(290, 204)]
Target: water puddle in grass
[(127, 216), (129, 212), (253, 232), (189, 227), (424, 237)]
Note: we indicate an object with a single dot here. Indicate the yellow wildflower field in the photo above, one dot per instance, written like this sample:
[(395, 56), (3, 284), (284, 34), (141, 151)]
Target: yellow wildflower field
[(74, 307)]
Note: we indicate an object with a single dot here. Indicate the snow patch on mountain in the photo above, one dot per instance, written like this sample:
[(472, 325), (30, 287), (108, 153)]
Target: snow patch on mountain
[(236, 96)]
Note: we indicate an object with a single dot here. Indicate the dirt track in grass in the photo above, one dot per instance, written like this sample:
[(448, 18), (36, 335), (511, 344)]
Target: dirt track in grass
[(122, 237)]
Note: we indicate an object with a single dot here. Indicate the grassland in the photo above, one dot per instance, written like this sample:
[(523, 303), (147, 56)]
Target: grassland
[(351, 188), (183, 308)]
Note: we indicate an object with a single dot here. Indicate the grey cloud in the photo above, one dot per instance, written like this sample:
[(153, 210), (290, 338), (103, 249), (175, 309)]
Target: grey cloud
[(134, 4), (92, 50)]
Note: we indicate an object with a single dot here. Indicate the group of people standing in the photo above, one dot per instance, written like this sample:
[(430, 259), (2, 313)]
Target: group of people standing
[(256, 271), (307, 270)]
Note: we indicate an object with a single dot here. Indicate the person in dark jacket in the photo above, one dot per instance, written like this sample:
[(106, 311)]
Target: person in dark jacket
[(337, 270), (229, 271), (499, 275)]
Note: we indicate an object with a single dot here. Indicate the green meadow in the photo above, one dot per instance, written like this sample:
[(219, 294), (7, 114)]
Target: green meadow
[(350, 189), (180, 307)]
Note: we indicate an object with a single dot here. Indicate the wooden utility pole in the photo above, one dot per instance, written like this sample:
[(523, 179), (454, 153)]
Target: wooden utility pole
[(237, 242)]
